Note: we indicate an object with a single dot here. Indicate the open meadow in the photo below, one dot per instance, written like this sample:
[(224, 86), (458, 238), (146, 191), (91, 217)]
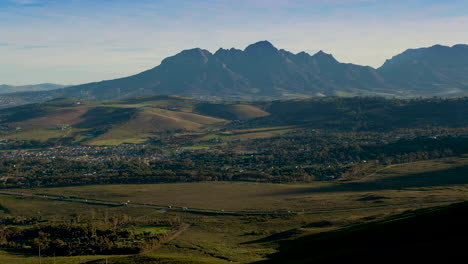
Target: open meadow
[(217, 238), (403, 184), (213, 238)]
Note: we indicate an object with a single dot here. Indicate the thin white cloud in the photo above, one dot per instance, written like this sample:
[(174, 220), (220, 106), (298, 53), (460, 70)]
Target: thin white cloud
[(25, 2)]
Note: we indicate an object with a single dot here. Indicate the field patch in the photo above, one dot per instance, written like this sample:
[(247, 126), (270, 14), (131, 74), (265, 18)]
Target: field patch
[(54, 119), (149, 229), (39, 134), (149, 121), (412, 183), (231, 111)]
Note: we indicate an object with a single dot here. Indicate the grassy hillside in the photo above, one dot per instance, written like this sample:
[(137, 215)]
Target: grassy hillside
[(150, 121), (136, 120), (231, 111), (131, 120), (366, 113), (422, 236)]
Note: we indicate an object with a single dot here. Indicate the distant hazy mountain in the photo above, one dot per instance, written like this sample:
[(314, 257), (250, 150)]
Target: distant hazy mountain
[(29, 88), (261, 71)]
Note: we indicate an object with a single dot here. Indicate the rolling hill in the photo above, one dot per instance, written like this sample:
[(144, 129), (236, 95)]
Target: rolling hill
[(365, 113), (131, 120), (138, 119)]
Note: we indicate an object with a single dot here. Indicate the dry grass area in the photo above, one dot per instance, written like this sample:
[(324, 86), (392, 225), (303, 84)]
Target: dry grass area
[(240, 239), (246, 238), (150, 121), (152, 115), (244, 112), (410, 183), (40, 134), (241, 196), (14, 258), (55, 118)]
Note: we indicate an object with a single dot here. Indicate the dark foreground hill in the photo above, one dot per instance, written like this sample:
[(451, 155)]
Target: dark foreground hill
[(434, 235), (263, 72)]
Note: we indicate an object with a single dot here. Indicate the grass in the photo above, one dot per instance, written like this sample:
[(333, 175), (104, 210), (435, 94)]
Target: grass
[(252, 238), (404, 170), (136, 120), (7, 257), (38, 134), (128, 121), (244, 112), (151, 229), (209, 195), (410, 183), (265, 132), (156, 259), (149, 121), (421, 236), (56, 210), (116, 141), (219, 137), (225, 238), (231, 111), (54, 118), (197, 147)]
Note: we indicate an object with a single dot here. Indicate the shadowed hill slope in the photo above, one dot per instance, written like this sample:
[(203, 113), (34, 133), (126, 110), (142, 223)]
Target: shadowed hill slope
[(422, 236), (365, 113), (231, 111)]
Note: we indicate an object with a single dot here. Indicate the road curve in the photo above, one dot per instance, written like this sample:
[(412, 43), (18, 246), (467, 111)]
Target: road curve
[(218, 212)]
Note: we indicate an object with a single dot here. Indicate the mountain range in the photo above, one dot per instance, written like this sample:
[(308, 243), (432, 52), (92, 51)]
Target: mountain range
[(263, 72)]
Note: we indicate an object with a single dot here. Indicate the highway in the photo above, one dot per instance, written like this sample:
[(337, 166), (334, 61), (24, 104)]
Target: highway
[(218, 212)]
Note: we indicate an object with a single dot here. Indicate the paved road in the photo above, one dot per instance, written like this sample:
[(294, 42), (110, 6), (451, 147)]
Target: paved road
[(218, 212)]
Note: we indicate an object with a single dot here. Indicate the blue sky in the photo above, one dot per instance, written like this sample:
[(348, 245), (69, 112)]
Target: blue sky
[(78, 41)]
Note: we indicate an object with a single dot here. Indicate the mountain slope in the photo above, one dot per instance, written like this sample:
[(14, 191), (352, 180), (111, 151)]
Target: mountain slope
[(436, 70), (193, 72), (263, 72)]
